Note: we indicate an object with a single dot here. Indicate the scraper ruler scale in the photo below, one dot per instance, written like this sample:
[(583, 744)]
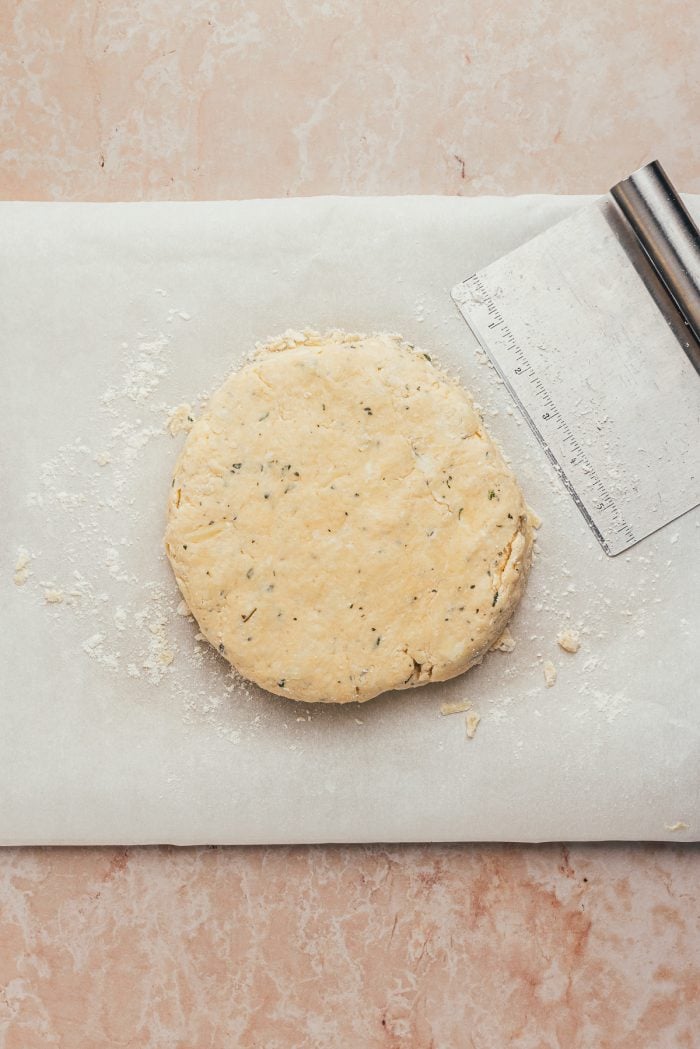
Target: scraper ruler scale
[(595, 343)]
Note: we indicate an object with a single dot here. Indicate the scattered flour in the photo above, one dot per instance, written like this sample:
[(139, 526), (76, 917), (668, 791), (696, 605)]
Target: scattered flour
[(94, 647), (126, 622)]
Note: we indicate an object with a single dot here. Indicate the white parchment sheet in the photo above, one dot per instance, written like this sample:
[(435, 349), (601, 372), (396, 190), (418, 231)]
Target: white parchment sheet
[(118, 725)]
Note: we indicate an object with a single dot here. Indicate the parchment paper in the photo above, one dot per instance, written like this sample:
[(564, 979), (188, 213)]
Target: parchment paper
[(119, 726)]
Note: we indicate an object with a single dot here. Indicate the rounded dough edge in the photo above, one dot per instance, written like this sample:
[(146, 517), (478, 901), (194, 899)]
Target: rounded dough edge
[(423, 665)]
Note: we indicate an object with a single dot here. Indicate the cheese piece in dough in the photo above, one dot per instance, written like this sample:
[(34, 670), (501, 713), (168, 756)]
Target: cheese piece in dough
[(341, 524)]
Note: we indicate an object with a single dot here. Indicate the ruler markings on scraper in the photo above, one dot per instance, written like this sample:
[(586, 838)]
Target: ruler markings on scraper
[(561, 446)]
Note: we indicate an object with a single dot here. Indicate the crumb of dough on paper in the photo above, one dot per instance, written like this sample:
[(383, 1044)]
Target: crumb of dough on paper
[(180, 420), (550, 673), (569, 641), (102, 458), (505, 643), (678, 825), (472, 723), (52, 596), (534, 518), (457, 707), (22, 572)]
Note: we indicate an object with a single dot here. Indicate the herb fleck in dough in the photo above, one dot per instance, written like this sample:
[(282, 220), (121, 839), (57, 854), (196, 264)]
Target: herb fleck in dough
[(340, 523)]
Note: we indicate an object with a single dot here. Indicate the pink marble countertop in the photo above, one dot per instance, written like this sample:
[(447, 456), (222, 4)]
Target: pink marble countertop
[(433, 947)]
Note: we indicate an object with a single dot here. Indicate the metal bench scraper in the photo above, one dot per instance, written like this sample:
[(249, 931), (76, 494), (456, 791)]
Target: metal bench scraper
[(594, 327)]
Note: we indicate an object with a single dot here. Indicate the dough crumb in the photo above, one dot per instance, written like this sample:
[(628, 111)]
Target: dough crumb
[(678, 825), (455, 708), (534, 518), (569, 641), (22, 572), (288, 340), (505, 643), (550, 673), (180, 420), (183, 610), (102, 458), (472, 722), (53, 597)]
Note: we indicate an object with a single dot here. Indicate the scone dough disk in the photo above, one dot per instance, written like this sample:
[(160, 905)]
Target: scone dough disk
[(341, 524)]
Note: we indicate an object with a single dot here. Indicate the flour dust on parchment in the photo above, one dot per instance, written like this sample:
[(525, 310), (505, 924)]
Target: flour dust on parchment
[(108, 520), (92, 494)]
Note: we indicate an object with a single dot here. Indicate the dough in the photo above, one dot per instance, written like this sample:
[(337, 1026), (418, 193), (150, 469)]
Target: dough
[(472, 722), (550, 673), (341, 524), (569, 641)]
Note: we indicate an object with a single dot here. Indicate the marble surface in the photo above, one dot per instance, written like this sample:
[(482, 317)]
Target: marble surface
[(404, 948), (438, 947), (208, 99)]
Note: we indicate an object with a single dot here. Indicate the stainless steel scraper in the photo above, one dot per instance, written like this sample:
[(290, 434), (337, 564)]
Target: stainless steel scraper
[(594, 327)]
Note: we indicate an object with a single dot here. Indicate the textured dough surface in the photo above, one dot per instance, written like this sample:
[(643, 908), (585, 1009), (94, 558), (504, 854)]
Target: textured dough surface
[(341, 524)]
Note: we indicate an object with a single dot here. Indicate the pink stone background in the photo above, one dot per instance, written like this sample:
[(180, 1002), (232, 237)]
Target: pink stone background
[(421, 947), (205, 99)]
